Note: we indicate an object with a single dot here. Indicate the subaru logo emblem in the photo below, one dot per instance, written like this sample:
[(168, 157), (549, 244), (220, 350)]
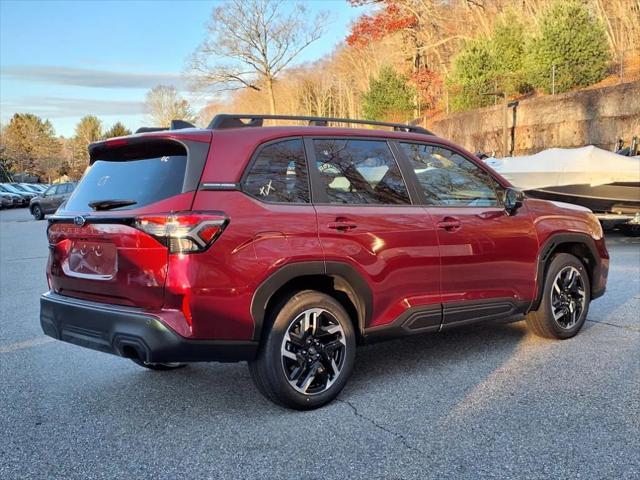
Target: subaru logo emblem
[(79, 221)]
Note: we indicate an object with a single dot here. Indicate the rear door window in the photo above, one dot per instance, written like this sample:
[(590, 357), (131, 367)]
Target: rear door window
[(279, 173), (142, 179), (359, 172)]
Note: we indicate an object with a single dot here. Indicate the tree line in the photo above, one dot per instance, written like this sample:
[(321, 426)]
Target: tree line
[(28, 144), (411, 57)]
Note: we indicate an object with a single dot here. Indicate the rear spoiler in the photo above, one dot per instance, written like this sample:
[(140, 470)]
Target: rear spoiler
[(175, 125)]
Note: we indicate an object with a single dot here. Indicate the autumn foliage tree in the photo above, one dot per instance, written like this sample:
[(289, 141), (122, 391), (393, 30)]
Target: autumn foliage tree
[(28, 145), (398, 18), (372, 28), (451, 53)]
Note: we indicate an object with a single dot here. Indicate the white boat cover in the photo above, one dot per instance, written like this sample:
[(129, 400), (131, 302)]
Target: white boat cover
[(567, 166)]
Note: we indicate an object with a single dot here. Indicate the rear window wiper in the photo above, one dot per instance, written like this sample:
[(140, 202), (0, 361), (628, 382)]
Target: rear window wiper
[(109, 204)]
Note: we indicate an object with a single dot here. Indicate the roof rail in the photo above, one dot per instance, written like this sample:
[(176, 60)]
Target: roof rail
[(227, 120), (175, 125)]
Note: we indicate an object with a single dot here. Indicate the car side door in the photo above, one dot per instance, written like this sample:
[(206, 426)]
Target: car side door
[(66, 193), (49, 198), (488, 256), (60, 196), (367, 219)]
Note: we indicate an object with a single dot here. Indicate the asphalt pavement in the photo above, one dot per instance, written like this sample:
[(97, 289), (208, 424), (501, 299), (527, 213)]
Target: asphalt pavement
[(489, 401)]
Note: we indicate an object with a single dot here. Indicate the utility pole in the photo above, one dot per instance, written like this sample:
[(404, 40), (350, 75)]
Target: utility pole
[(513, 105), (505, 122), (505, 119)]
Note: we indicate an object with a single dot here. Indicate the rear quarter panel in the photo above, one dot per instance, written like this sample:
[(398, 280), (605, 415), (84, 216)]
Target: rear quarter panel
[(259, 239)]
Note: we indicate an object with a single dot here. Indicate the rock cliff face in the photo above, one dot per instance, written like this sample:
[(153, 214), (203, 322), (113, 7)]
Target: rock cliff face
[(596, 116)]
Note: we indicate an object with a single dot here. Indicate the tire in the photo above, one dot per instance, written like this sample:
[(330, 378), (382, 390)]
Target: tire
[(556, 300), (37, 212), (158, 366), (305, 368)]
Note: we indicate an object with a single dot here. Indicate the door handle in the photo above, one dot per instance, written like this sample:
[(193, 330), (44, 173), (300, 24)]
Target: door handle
[(342, 225), (450, 224)]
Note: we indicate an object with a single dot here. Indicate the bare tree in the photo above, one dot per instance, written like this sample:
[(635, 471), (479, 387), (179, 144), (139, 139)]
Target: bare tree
[(163, 104), (250, 42)]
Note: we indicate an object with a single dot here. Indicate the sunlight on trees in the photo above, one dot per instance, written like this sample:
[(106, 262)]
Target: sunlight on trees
[(28, 144), (250, 42), (389, 97), (574, 42), (88, 130)]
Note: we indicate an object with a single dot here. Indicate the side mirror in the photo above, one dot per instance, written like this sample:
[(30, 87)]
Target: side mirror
[(513, 199)]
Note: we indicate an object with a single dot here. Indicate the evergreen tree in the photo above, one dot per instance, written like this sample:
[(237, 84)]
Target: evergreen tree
[(486, 65), (88, 130), (389, 97), (508, 44), (473, 75), (117, 130), (574, 41)]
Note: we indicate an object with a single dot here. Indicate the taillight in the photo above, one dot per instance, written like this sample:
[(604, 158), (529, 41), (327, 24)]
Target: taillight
[(183, 233)]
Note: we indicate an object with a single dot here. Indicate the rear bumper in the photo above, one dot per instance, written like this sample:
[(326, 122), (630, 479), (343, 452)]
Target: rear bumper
[(129, 332)]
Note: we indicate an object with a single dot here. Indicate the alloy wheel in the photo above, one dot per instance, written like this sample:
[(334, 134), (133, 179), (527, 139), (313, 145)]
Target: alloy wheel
[(568, 297), (313, 351)]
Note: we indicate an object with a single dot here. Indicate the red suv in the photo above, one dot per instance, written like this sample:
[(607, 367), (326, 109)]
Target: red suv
[(287, 246)]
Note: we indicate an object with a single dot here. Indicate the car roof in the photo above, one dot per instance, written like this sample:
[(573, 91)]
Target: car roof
[(241, 143)]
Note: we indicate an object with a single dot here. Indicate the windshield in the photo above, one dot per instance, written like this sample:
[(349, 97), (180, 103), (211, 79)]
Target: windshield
[(142, 182)]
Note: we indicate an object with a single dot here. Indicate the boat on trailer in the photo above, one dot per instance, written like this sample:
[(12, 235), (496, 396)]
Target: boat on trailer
[(602, 181)]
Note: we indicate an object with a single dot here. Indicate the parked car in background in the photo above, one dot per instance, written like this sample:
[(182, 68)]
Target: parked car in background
[(31, 187), (287, 246), (40, 187), (50, 199), (5, 200), (22, 190), (20, 199)]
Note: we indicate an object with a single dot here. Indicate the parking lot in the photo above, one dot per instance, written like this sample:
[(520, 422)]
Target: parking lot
[(488, 401)]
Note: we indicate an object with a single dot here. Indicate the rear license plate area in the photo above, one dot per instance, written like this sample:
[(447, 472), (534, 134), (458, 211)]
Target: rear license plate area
[(91, 260)]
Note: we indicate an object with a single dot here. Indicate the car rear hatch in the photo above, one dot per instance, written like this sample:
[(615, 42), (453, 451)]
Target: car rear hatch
[(110, 241)]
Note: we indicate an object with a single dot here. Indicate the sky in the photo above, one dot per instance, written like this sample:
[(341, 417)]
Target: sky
[(62, 60)]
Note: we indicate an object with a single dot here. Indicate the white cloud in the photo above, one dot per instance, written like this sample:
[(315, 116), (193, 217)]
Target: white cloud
[(59, 107), (88, 77)]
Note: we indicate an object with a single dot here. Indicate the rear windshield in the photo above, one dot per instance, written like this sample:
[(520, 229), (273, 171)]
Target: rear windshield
[(143, 181)]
